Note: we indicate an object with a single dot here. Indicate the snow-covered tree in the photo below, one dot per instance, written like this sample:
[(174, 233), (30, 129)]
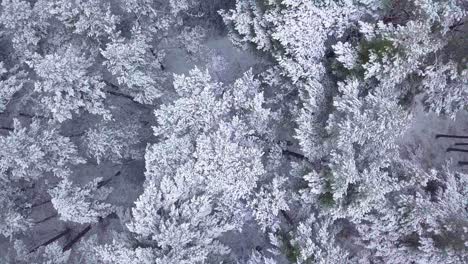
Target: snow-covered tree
[(197, 110), (26, 26), (202, 172), (268, 203), (305, 158), (12, 221), (66, 84), (50, 254), (258, 258), (295, 31), (120, 253), (27, 153), (184, 228), (92, 18), (361, 68), (11, 82), (316, 240), (112, 141), (363, 135), (162, 18), (226, 157), (229, 164), (135, 67), (445, 89), (426, 223), (84, 204)]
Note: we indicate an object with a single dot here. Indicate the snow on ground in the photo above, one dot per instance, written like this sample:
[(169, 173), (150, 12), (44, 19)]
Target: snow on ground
[(422, 132)]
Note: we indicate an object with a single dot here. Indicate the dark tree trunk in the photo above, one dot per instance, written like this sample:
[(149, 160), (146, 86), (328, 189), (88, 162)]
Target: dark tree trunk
[(457, 149), (294, 154), (77, 238), (449, 136), (73, 135), (26, 115), (45, 219), (456, 25), (111, 85), (41, 203), (287, 217), (105, 182), (120, 94), (463, 163), (52, 240), (461, 144)]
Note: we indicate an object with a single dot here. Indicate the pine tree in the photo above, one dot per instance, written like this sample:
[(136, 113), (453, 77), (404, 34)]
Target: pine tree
[(66, 84), (268, 203), (28, 155), (50, 254), (81, 204), (112, 141), (91, 18), (202, 172), (24, 24), (426, 223), (184, 229), (12, 81), (12, 220), (134, 66)]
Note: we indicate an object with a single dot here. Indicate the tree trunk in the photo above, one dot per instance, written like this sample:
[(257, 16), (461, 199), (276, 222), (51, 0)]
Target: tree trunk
[(45, 219), (74, 135), (41, 203), (77, 238), (294, 154), (461, 144), (463, 163), (287, 217), (105, 182), (456, 25), (22, 114), (52, 240), (457, 149), (120, 94), (449, 136)]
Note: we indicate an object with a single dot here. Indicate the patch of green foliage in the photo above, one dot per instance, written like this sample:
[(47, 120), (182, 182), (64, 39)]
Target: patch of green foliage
[(265, 5), (342, 73), (380, 47), (326, 198), (291, 252), (462, 66), (387, 5)]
